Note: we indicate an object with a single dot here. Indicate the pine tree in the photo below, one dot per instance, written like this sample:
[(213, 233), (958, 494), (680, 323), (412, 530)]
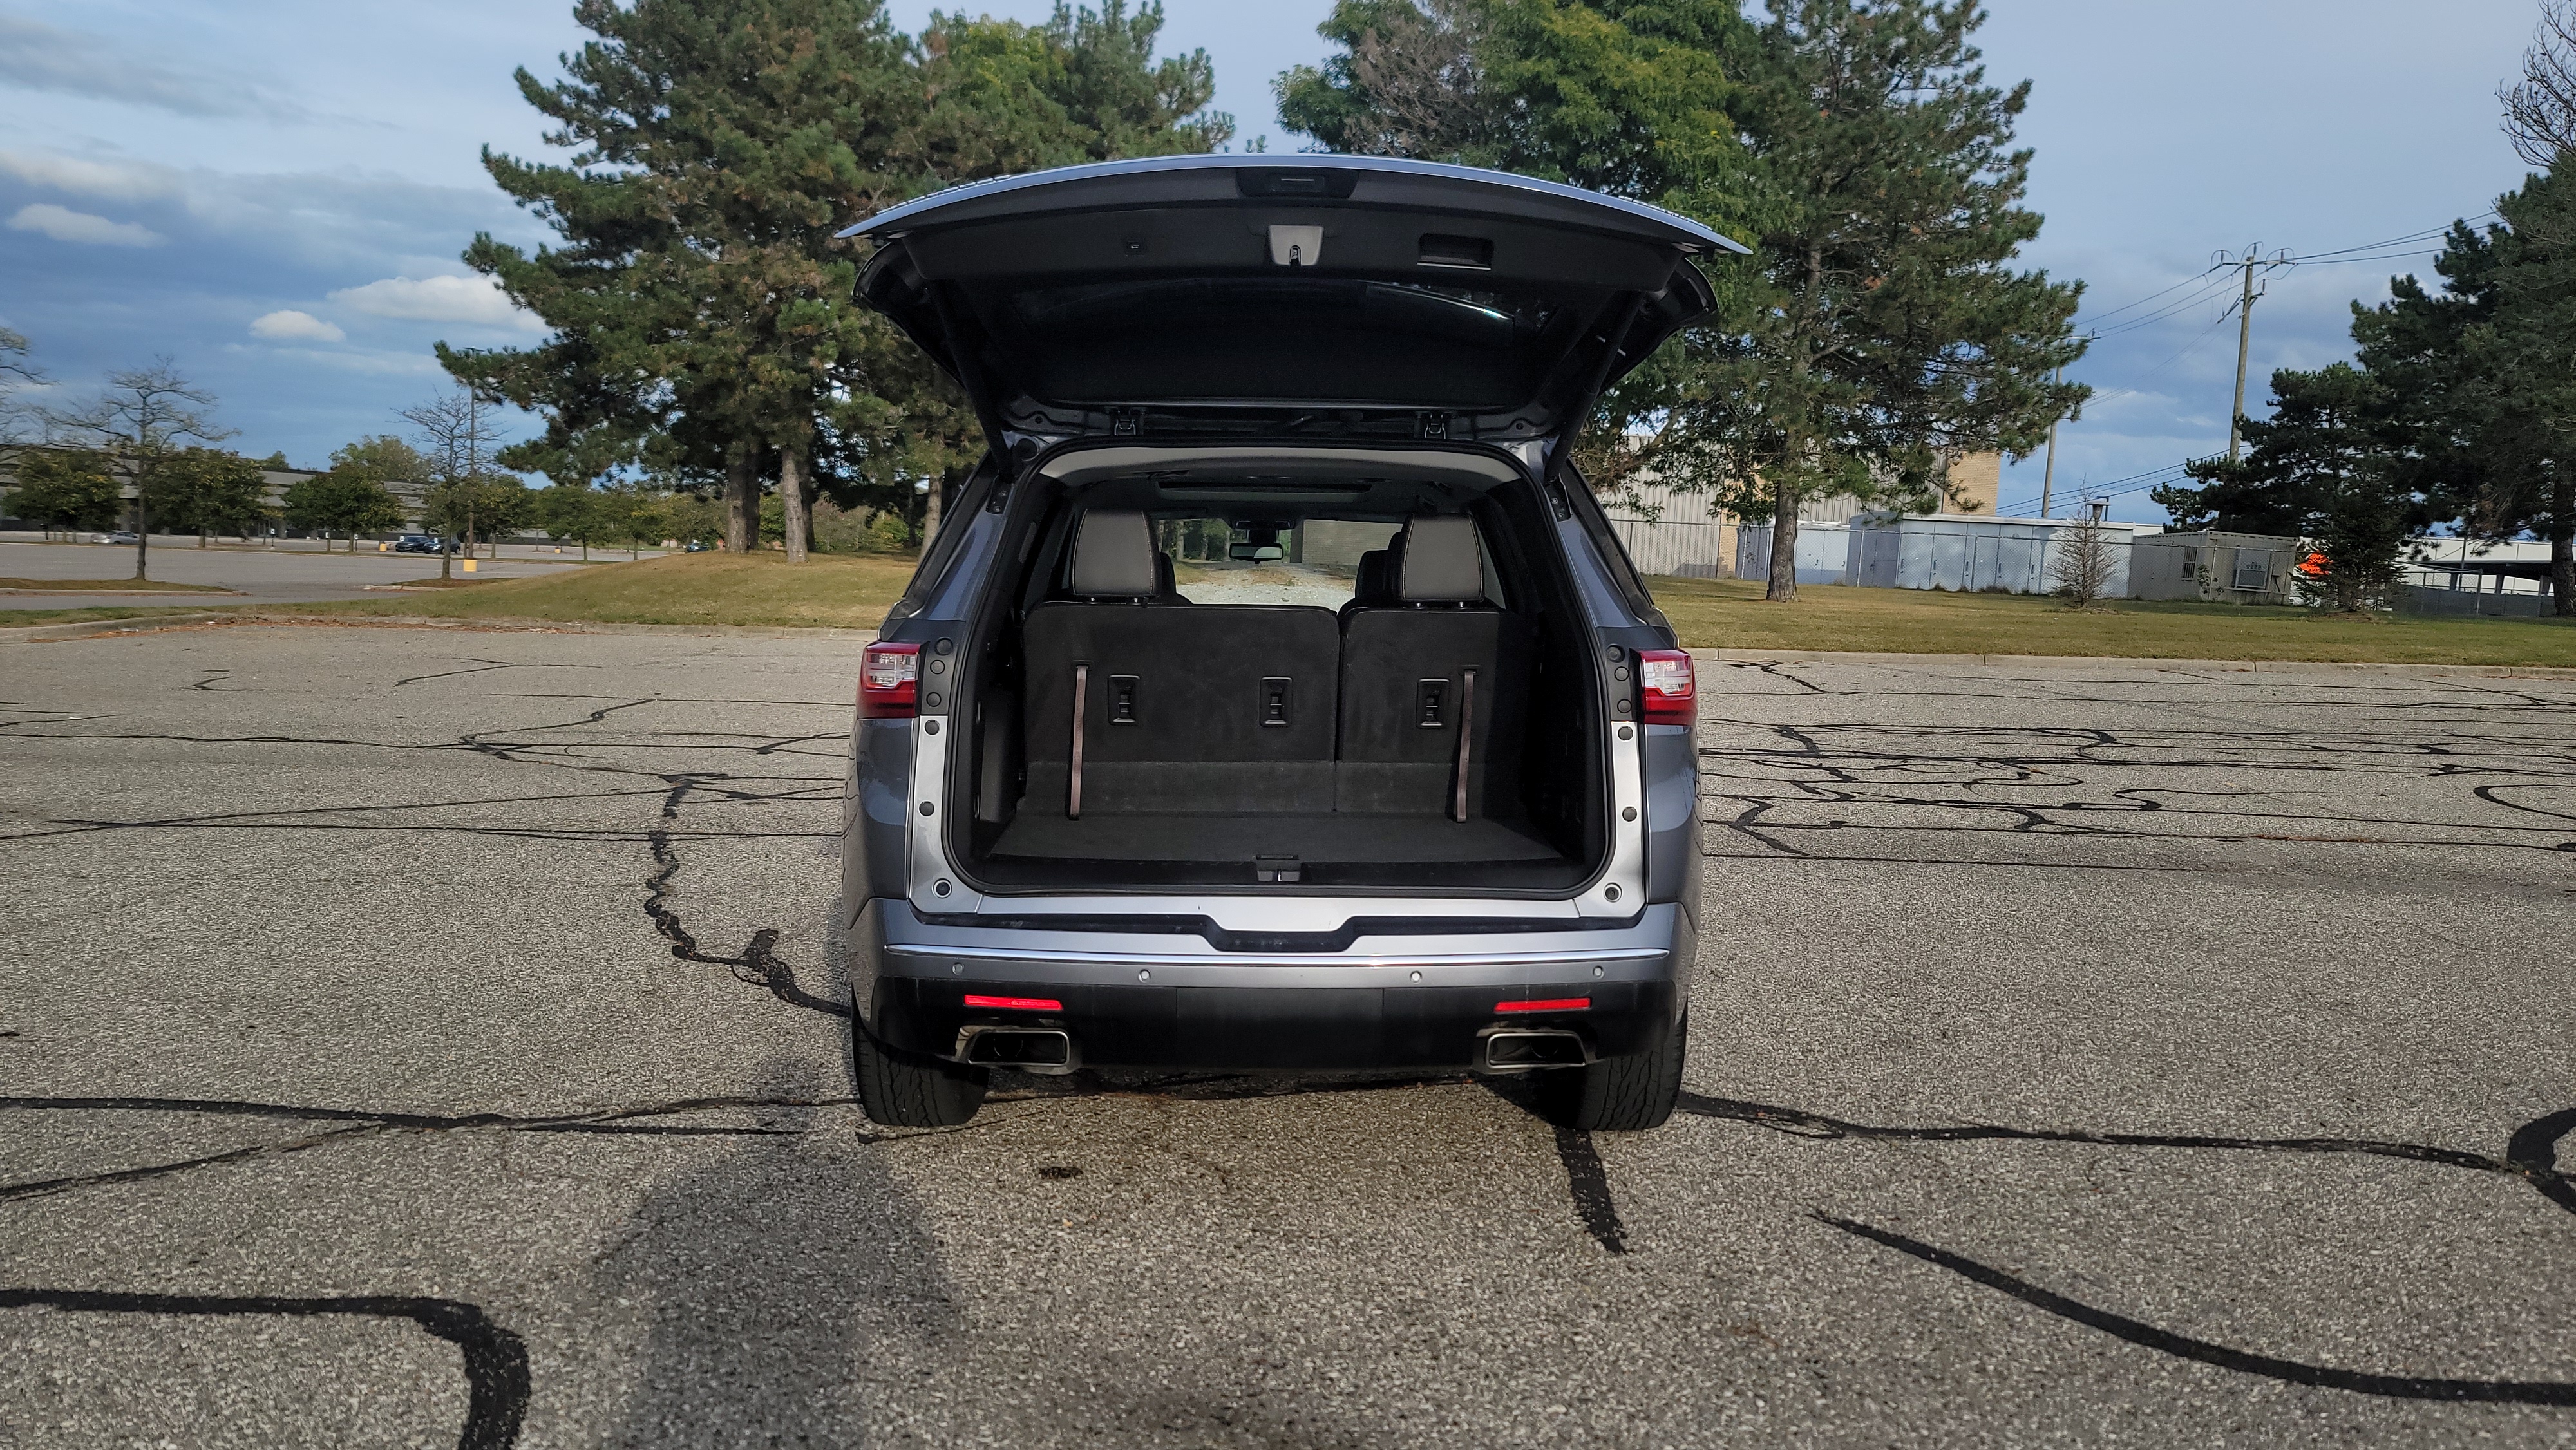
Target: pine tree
[(1878, 330), (1882, 329), (703, 318), (2330, 465), (2523, 362)]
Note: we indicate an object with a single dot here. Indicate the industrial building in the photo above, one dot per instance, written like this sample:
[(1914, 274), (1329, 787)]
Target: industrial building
[(2211, 565)]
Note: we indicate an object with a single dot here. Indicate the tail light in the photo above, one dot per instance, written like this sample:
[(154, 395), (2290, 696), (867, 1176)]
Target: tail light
[(889, 679), (1670, 688)]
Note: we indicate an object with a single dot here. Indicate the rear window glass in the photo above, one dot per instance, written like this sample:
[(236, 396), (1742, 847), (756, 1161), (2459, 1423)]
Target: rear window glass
[(1496, 320), (1306, 561)]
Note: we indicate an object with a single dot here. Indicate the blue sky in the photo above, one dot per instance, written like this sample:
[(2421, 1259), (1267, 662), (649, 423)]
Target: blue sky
[(274, 194)]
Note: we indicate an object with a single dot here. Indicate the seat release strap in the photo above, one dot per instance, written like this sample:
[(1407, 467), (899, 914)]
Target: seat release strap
[(1073, 782), (1466, 735)]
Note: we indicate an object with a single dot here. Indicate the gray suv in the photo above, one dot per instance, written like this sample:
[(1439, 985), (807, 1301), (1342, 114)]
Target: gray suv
[(1276, 697)]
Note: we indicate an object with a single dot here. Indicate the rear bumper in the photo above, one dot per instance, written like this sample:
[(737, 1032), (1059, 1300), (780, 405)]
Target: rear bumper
[(1170, 999)]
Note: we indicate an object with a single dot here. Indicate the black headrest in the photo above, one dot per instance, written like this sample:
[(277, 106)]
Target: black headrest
[(1372, 587), (1165, 585), (1113, 555), (1442, 561)]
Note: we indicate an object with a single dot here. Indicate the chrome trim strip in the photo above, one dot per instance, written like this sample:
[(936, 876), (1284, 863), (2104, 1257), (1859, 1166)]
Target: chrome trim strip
[(926, 866), (1622, 888)]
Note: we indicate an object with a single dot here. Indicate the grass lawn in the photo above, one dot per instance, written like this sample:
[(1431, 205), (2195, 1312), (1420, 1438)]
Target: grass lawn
[(23, 618), (1731, 614), (845, 591), (112, 586), (840, 591)]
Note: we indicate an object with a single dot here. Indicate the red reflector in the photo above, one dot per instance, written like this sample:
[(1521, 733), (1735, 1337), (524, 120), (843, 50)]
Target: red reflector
[(1016, 1004), (1547, 1004)]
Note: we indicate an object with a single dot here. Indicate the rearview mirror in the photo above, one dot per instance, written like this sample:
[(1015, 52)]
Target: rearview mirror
[(1257, 553)]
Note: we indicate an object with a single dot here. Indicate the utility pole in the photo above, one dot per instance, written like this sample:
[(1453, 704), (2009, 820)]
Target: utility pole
[(2048, 475), (2252, 259)]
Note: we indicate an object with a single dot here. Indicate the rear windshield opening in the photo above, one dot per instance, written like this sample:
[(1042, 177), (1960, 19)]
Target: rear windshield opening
[(1276, 691)]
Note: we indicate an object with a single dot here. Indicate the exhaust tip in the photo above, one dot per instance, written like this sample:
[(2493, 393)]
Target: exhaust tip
[(1527, 1049), (1022, 1049)]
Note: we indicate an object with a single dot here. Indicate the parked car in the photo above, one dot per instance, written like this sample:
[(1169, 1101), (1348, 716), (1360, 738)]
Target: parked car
[(1448, 822), (424, 544), (121, 536)]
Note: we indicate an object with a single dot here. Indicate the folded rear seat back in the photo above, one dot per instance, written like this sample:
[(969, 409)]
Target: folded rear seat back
[(1439, 668), (1183, 710)]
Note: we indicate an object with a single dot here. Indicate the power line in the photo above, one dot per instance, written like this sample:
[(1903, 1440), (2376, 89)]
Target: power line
[(2424, 235), (2135, 483), (2209, 285), (2143, 301), (2204, 335)]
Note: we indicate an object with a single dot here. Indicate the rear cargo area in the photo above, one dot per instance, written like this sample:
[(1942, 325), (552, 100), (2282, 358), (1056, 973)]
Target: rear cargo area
[(1429, 731)]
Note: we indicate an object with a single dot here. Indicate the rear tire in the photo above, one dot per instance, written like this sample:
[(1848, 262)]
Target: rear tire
[(901, 1090), (1628, 1094)]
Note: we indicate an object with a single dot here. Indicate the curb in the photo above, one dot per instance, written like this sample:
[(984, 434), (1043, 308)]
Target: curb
[(83, 628), (2134, 662)]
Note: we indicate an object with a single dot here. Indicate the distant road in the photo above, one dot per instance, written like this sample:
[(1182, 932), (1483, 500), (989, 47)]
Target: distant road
[(296, 571)]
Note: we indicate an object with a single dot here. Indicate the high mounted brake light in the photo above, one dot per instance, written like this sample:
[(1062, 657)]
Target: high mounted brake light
[(1670, 687), (889, 679)]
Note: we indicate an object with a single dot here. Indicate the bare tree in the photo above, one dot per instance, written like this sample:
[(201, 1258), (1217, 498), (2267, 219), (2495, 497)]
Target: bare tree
[(2081, 562), (457, 432), (141, 418), (15, 373), (2540, 109)]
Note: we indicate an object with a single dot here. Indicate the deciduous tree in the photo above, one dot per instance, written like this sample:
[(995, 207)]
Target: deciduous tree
[(345, 503), (65, 488), (583, 513), (141, 418), (208, 490), (16, 374)]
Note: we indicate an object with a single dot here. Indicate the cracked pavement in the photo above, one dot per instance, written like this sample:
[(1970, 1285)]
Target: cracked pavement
[(433, 1037)]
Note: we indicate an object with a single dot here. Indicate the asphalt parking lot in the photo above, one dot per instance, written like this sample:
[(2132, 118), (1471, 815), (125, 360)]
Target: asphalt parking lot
[(296, 571), (431, 1037)]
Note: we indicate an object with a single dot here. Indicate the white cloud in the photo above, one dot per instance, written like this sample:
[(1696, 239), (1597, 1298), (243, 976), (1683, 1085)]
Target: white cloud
[(65, 225), (293, 326), (476, 300), (114, 180), (350, 359), (38, 57)]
